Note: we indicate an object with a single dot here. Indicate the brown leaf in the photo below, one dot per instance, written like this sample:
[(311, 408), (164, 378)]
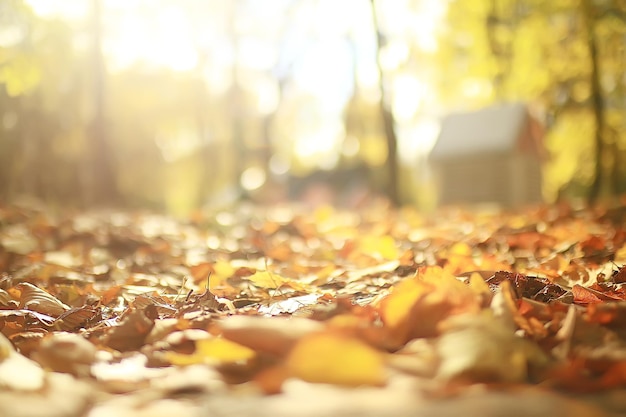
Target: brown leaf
[(76, 318), (583, 295), (484, 348), (36, 299), (66, 352), (271, 335), (132, 331)]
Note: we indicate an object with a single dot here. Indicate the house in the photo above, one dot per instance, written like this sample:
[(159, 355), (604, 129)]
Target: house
[(493, 155)]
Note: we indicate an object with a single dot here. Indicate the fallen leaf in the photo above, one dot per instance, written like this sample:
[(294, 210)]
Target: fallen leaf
[(18, 372), (275, 335), (66, 352), (584, 295), (335, 359), (132, 331), (482, 348), (416, 306), (268, 280), (214, 351), (383, 247), (36, 299)]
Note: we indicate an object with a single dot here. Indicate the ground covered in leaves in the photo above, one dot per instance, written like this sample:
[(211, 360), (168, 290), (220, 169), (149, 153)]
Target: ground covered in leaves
[(284, 311)]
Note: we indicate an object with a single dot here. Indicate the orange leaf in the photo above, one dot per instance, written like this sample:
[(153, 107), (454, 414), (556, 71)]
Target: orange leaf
[(416, 306), (584, 295)]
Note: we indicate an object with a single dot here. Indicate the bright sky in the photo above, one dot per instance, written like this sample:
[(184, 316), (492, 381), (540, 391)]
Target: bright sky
[(315, 43)]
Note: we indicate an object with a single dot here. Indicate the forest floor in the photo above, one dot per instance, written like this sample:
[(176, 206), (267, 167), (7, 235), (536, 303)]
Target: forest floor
[(286, 311)]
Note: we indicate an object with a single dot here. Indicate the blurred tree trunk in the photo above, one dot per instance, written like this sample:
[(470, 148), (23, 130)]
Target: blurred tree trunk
[(387, 118), (597, 101), (100, 184), (236, 101)]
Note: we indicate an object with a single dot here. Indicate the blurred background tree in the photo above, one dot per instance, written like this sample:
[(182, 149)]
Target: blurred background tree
[(176, 105), (567, 58)]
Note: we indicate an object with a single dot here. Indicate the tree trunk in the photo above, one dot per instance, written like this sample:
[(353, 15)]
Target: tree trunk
[(99, 183), (387, 119), (598, 104)]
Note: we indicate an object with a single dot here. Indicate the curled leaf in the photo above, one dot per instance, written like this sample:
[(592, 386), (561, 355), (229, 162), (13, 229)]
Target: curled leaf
[(36, 299)]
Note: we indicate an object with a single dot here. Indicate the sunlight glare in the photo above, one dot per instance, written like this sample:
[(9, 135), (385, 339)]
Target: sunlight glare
[(417, 139), (325, 72), (253, 178), (427, 20), (279, 165), (267, 93), (394, 54), (351, 146), (162, 39), (68, 9), (476, 87), (257, 54), (319, 146), (177, 144), (408, 96)]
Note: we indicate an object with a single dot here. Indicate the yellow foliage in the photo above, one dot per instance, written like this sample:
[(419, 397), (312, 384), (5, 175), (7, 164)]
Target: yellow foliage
[(570, 143), (20, 75)]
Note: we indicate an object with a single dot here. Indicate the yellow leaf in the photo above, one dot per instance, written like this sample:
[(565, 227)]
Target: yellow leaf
[(379, 246), (21, 75), (223, 350), (213, 351), (396, 307), (478, 284), (267, 280), (336, 359), (460, 248), (222, 270)]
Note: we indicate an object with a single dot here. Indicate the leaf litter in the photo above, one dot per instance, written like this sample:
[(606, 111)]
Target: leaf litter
[(142, 313)]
